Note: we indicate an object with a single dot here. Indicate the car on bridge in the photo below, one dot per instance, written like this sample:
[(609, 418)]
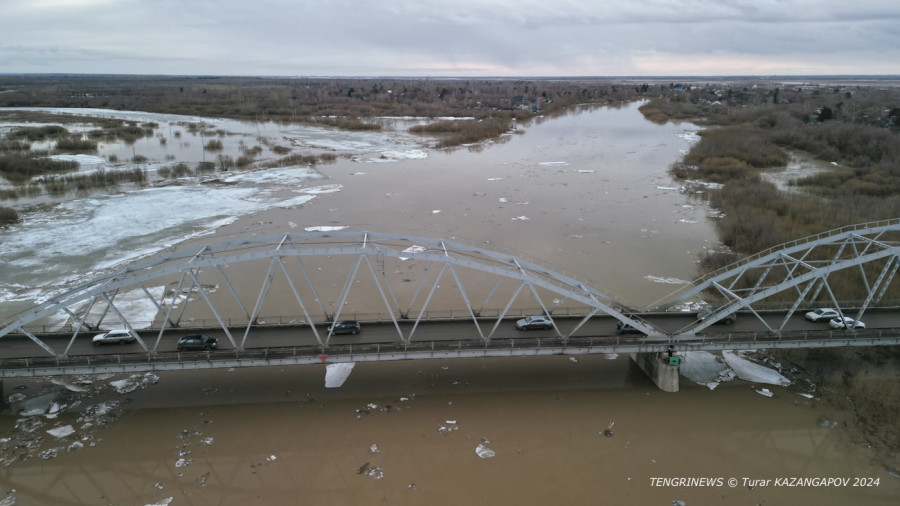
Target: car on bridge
[(345, 327), (197, 342), (624, 328), (534, 322), (113, 337), (822, 314), (837, 323), (705, 315)]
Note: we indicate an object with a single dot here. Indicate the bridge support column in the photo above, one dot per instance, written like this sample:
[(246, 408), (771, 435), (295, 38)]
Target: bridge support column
[(661, 370)]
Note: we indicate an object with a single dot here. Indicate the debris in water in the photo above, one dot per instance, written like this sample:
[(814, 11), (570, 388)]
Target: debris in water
[(374, 449), (363, 468), (826, 424)]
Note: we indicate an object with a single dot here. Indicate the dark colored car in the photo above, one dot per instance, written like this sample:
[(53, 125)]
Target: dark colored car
[(624, 328), (197, 342), (345, 327), (728, 320)]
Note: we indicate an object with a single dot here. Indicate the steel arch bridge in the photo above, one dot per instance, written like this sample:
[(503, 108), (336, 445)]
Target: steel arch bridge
[(818, 270), (318, 274)]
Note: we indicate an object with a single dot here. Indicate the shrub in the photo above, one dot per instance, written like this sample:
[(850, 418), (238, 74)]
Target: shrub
[(214, 145), (76, 145), (19, 169), (8, 216)]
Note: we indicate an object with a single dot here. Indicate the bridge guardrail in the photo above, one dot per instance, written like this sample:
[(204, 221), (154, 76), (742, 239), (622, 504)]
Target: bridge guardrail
[(555, 344)]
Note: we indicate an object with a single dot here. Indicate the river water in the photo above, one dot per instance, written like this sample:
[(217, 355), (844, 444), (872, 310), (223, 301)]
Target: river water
[(587, 191)]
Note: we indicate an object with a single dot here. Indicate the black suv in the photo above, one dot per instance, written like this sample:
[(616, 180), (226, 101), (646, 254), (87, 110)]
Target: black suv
[(345, 327), (197, 342)]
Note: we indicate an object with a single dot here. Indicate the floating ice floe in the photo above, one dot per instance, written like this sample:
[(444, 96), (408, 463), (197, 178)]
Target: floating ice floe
[(449, 427), (69, 385), (337, 374), (61, 432), (808, 396), (325, 228), (521, 218), (435, 211), (484, 452), (412, 249), (585, 171), (553, 163), (318, 190), (495, 179), (666, 188), (610, 356), (764, 392), (668, 281), (134, 382), (164, 502)]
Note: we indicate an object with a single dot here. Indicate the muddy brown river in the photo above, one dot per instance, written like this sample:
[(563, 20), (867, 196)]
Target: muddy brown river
[(588, 192)]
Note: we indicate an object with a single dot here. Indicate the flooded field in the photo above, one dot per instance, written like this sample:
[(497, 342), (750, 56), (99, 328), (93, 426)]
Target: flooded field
[(587, 191)]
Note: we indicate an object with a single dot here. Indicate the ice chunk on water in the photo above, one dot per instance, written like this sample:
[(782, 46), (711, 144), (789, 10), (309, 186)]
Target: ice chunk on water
[(337, 374), (324, 228), (484, 452), (63, 431)]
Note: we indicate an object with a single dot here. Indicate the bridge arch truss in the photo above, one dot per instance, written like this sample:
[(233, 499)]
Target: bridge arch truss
[(289, 269), (849, 269)]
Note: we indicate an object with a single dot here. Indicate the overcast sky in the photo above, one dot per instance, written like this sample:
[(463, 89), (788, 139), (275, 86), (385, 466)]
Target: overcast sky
[(451, 37)]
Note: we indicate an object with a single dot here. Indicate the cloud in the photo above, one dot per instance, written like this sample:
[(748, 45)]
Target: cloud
[(463, 37)]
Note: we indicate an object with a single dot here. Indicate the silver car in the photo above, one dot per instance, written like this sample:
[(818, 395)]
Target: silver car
[(113, 337), (822, 314), (534, 322), (836, 323)]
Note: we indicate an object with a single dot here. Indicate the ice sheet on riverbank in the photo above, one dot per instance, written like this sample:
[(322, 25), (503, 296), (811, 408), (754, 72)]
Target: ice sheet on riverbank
[(709, 370), (103, 231), (750, 371)]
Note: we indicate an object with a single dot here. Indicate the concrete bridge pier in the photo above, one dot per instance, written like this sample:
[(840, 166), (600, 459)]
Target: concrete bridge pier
[(661, 368)]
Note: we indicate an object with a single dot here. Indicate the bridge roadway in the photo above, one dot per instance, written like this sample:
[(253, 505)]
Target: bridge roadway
[(285, 345)]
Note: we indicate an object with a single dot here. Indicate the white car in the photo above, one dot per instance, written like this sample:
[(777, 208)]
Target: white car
[(534, 322), (113, 337), (822, 314), (836, 323)]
